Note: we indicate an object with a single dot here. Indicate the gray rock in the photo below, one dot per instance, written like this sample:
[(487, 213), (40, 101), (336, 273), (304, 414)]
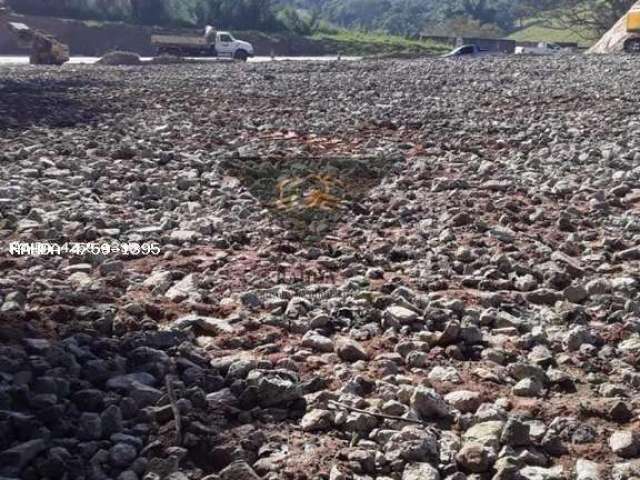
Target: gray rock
[(420, 471), (475, 458), (397, 315), (89, 427), (464, 400), (486, 434), (528, 387), (428, 403), (515, 433), (587, 470), (16, 458), (317, 342), (239, 470), (317, 420), (540, 473), (122, 455), (350, 351), (625, 443), (412, 444), (277, 387)]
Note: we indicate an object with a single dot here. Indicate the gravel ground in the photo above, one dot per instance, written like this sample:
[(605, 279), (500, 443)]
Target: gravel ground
[(394, 270)]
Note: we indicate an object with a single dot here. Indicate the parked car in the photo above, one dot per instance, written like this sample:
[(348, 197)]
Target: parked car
[(467, 51), (543, 48)]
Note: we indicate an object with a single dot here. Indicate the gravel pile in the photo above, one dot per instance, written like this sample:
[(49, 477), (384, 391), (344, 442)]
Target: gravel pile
[(394, 270)]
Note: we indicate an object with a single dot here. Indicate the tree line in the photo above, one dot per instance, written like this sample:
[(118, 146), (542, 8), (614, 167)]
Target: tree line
[(494, 17), (236, 14), (402, 17)]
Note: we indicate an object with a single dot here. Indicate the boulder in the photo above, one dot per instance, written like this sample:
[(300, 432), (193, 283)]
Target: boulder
[(119, 58)]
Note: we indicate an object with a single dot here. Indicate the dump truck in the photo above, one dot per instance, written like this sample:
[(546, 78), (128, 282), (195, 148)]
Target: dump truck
[(45, 49), (212, 44)]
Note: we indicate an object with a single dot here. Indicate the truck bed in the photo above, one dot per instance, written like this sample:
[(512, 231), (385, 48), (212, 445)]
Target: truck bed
[(179, 40)]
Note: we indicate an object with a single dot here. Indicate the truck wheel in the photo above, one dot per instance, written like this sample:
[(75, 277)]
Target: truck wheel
[(241, 55), (632, 46)]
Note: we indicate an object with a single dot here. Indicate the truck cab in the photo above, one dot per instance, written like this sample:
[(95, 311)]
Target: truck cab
[(227, 46)]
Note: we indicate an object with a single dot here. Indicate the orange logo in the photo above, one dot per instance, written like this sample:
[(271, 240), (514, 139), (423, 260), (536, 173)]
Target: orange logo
[(313, 192)]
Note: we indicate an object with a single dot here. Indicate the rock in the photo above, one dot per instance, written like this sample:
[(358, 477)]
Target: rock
[(120, 58), (239, 470), (317, 420), (412, 444), (350, 350), (598, 286), (464, 400), (360, 423), (539, 473), (528, 387), (515, 433), (420, 471), (126, 382), (587, 470), (575, 293), (427, 403), (317, 342), (486, 434), (122, 455), (89, 427), (444, 374), (277, 387), (222, 398), (18, 457), (543, 296), (475, 458), (111, 420), (398, 315), (182, 289), (144, 395), (625, 443), (183, 236)]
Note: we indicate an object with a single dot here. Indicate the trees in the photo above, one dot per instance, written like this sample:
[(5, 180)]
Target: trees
[(588, 18), (403, 17)]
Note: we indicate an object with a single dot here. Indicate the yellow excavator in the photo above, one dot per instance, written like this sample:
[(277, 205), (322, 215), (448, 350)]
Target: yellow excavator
[(45, 49), (632, 44)]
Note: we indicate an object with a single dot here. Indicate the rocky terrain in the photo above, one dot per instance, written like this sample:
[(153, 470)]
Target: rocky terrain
[(367, 270)]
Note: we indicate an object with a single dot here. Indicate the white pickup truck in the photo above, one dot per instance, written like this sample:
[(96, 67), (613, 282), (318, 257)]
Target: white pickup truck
[(212, 44), (543, 48)]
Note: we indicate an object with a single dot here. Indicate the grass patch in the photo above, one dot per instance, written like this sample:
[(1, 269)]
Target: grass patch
[(541, 33), (349, 42)]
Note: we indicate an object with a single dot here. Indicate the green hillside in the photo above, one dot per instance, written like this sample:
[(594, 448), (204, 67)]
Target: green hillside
[(540, 33)]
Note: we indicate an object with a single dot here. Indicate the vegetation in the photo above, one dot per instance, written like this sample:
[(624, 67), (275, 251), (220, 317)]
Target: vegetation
[(350, 42), (542, 30), (406, 18)]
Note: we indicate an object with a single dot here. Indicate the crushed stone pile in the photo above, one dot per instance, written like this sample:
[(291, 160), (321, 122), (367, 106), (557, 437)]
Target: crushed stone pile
[(378, 270)]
